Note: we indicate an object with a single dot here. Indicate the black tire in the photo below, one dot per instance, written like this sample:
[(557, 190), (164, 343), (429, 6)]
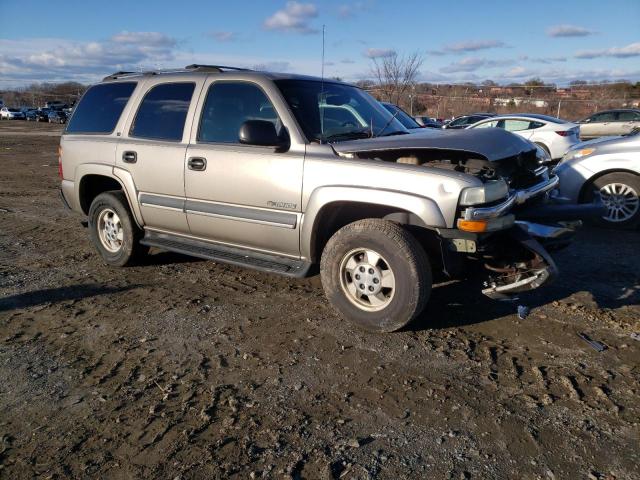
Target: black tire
[(399, 251), (130, 250), (632, 182)]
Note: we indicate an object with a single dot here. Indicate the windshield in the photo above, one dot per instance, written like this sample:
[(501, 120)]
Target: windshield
[(403, 117), (333, 112)]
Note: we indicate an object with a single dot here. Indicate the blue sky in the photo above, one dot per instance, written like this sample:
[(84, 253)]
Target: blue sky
[(460, 40)]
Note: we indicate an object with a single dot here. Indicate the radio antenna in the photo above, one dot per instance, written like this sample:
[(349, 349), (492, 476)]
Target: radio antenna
[(321, 106)]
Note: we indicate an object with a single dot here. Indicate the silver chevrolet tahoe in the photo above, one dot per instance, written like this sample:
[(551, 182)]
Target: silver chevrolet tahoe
[(284, 173)]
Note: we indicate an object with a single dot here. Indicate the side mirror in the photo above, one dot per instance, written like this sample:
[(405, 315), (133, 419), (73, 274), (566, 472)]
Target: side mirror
[(259, 132)]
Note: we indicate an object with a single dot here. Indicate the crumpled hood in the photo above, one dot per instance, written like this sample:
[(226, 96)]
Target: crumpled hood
[(489, 143)]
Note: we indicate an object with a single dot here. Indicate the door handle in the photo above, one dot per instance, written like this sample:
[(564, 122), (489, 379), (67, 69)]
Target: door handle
[(129, 157), (197, 163)]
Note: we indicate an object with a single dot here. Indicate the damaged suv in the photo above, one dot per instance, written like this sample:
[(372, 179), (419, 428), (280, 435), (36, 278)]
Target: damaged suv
[(282, 173)]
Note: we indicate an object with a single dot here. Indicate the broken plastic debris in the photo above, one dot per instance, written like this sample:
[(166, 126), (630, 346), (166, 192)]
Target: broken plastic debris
[(523, 312), (635, 336), (599, 347)]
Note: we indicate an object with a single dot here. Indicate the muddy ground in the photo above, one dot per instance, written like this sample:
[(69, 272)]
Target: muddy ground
[(182, 368)]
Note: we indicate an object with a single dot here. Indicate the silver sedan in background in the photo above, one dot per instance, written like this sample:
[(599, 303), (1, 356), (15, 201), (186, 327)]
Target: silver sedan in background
[(608, 168)]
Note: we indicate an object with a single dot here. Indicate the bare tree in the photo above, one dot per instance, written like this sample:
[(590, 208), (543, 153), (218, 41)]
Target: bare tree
[(395, 74)]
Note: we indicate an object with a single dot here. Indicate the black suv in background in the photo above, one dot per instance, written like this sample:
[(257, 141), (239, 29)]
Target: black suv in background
[(57, 116), (464, 121)]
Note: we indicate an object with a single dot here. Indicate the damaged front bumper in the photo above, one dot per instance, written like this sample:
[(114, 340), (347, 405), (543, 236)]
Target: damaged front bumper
[(521, 263)]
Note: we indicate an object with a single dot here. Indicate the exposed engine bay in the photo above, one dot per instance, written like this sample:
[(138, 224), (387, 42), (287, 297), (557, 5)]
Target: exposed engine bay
[(519, 171)]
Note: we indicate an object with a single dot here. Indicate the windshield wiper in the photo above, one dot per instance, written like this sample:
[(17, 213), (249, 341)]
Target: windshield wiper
[(353, 134), (397, 132)]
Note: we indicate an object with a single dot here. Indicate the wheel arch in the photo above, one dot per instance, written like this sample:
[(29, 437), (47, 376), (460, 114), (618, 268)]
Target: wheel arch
[(92, 180), (331, 208), (587, 184)]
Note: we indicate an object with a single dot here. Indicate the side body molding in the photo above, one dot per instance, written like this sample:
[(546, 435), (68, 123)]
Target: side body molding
[(424, 208)]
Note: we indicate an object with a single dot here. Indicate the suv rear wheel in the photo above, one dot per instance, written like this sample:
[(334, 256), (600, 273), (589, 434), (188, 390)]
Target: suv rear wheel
[(376, 274), (113, 230)]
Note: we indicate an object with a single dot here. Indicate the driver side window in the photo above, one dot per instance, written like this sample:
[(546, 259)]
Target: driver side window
[(228, 105)]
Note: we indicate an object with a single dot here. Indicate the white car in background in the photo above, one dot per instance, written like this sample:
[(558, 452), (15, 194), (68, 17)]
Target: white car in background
[(553, 135), (7, 113)]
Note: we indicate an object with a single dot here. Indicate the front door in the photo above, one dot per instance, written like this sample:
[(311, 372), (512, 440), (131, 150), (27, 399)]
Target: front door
[(153, 149), (237, 194)]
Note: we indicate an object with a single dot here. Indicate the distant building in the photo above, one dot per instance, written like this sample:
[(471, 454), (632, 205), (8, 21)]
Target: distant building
[(506, 101)]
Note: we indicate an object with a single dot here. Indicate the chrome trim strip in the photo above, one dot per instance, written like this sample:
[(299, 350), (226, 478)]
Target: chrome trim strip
[(157, 201), (519, 197), (231, 212), (279, 219)]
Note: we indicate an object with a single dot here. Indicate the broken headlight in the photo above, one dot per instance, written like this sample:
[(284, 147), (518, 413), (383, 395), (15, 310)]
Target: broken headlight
[(489, 192)]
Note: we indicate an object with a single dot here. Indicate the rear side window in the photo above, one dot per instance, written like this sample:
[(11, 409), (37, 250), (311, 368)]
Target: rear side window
[(100, 108), (163, 111), (516, 125)]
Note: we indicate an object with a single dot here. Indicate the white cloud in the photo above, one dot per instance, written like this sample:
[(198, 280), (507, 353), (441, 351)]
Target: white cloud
[(379, 52), (55, 59), (473, 46), (155, 39), (563, 76), (631, 50), (223, 36), (272, 66), (568, 31), (294, 17), (471, 64)]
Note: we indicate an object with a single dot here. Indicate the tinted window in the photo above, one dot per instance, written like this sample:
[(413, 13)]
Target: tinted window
[(228, 106), (533, 125), (604, 117), (459, 121), (100, 108), (628, 116), (163, 111)]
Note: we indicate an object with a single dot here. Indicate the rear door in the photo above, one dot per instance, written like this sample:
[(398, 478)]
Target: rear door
[(244, 195), (626, 121), (153, 149)]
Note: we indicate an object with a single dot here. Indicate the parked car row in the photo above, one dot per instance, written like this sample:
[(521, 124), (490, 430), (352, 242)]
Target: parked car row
[(600, 124), (46, 114)]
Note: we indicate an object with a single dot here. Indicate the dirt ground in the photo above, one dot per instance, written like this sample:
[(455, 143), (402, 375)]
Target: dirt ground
[(182, 368)]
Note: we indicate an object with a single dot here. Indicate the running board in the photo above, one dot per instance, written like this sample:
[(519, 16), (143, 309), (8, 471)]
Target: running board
[(225, 254)]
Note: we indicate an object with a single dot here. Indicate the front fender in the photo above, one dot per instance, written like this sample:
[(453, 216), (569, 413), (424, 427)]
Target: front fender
[(424, 208)]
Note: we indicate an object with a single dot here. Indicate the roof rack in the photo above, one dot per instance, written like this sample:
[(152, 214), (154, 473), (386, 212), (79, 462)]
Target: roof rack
[(189, 68), (216, 68)]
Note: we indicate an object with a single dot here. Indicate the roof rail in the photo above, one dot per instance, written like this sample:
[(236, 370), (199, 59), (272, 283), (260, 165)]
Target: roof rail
[(189, 68), (215, 68)]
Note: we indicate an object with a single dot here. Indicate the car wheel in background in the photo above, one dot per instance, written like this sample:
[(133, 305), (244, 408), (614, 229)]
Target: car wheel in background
[(620, 193), (376, 274), (113, 230), (544, 147)]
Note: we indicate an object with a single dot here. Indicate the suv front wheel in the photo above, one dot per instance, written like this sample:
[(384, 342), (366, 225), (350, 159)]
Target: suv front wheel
[(113, 230), (376, 274)]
